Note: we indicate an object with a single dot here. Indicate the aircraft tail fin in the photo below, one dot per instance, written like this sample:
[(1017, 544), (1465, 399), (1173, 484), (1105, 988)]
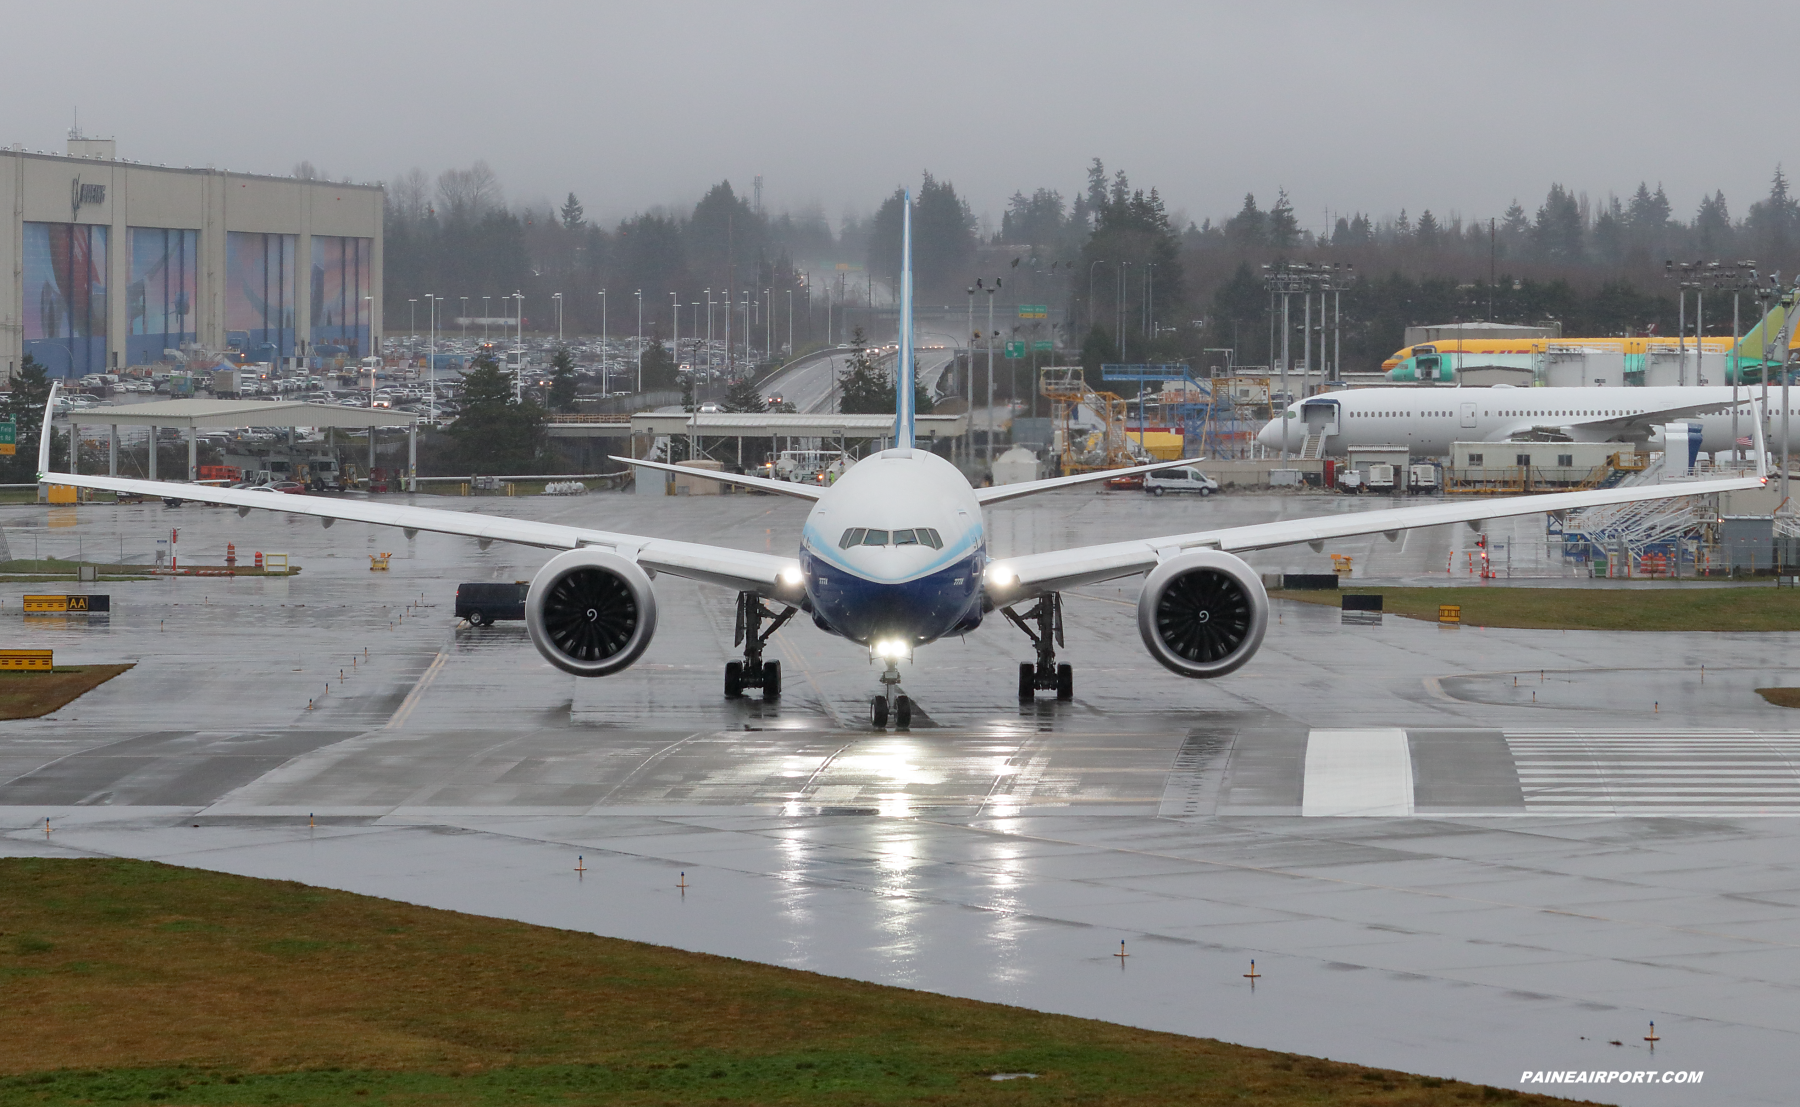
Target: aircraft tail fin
[(1753, 351), (903, 367)]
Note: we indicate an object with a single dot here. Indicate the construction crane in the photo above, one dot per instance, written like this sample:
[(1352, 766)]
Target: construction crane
[(1079, 448)]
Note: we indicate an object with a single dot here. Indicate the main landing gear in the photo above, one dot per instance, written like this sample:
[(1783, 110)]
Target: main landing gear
[(1046, 675), (892, 701), (753, 671)]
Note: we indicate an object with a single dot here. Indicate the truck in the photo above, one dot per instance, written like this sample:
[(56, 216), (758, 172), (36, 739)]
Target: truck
[(1381, 477), (227, 383), (1422, 478), (482, 602)]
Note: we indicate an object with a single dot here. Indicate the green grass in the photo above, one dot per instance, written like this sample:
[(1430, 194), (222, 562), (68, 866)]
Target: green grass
[(136, 983), (27, 694), (1658, 606)]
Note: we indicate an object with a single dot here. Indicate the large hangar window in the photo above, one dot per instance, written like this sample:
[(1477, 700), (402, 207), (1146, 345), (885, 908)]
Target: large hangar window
[(162, 295), (259, 294), (64, 267), (340, 280)]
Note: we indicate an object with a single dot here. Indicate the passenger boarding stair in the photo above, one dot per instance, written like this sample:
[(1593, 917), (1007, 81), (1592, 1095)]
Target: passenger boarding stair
[(1313, 448)]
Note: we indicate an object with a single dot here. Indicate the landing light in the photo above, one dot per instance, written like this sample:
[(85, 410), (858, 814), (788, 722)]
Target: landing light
[(891, 648), (792, 575), (1001, 576)]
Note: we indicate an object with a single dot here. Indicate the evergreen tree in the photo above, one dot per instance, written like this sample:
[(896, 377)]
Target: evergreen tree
[(494, 435), (658, 365), (862, 388), (25, 407), (1774, 223), (571, 213), (743, 395), (1428, 233), (1609, 233), (1248, 229), (1712, 225), (1558, 231), (1284, 229), (562, 381)]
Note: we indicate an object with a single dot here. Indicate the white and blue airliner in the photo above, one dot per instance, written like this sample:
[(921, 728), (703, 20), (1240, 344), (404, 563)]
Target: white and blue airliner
[(892, 557)]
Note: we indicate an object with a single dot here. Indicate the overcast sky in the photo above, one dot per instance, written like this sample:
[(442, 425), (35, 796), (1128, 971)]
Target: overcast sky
[(1374, 107)]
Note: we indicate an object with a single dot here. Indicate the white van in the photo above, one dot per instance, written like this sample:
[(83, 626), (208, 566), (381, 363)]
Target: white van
[(1183, 479)]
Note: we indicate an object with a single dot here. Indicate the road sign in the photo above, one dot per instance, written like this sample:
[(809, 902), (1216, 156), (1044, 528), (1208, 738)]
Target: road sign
[(1034, 311), (1015, 349), (9, 438), (1043, 345)]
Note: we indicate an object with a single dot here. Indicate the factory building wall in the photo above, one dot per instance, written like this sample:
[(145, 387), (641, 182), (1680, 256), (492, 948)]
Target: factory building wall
[(108, 263)]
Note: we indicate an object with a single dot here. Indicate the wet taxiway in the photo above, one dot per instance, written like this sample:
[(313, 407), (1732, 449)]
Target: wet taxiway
[(1457, 851)]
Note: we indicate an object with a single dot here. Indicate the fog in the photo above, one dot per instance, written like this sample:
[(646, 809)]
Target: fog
[(1367, 107)]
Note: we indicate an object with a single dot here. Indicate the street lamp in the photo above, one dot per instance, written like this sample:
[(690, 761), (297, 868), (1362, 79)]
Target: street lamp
[(640, 340), (431, 357), (518, 299), (370, 300), (463, 319), (486, 311), (675, 327), (412, 321), (557, 296), (605, 358)]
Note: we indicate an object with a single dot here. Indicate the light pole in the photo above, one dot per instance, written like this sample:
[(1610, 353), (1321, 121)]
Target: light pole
[(989, 449), (675, 327), (790, 341), (431, 359), (486, 311), (370, 300), (463, 319), (769, 324), (640, 339), (557, 296), (412, 320), (605, 356), (519, 347), (709, 334)]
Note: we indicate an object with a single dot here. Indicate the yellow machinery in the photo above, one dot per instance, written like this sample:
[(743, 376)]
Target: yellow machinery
[(1084, 450)]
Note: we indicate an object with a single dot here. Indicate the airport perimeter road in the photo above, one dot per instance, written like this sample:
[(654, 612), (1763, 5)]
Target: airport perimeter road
[(1435, 870), (808, 386)]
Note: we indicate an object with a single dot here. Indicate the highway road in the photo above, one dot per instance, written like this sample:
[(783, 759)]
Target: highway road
[(808, 384)]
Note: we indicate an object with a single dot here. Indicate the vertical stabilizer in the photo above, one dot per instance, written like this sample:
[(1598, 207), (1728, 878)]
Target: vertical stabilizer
[(903, 366)]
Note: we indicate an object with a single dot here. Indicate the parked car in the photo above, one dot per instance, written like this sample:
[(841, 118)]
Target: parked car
[(483, 602), (1183, 479), (291, 487), (1132, 483)]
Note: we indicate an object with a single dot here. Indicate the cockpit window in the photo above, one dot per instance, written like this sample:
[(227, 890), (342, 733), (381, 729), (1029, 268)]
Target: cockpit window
[(918, 536)]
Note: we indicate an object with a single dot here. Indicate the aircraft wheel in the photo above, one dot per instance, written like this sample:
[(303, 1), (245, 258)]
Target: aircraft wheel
[(734, 679), (1065, 682), (878, 712), (903, 712), (771, 680), (1027, 682)]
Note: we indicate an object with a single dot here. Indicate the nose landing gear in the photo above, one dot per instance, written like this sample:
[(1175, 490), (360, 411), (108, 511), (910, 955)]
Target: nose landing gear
[(1046, 675), (753, 671), (892, 701)]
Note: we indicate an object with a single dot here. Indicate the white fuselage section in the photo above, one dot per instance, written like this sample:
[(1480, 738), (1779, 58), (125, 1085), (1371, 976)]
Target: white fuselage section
[(1428, 420)]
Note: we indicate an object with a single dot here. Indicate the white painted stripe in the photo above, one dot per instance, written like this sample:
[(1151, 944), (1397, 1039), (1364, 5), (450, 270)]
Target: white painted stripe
[(1358, 772)]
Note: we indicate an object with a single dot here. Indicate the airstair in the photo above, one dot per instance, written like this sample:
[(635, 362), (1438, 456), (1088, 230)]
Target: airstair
[(1313, 448), (1625, 533)]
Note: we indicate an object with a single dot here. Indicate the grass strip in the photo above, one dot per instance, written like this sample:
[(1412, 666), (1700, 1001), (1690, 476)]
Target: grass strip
[(1781, 697), (1748, 607), (25, 694), (134, 982)]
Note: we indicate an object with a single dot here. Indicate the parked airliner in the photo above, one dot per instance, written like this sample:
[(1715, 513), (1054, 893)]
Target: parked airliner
[(1429, 419), (892, 557)]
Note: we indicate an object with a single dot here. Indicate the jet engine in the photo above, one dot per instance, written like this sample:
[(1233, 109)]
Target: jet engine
[(590, 612), (1203, 613)]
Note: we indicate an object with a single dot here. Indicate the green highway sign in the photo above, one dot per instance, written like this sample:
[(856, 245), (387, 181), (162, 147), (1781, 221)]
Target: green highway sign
[(1034, 311), (1015, 349), (1043, 345), (9, 438)]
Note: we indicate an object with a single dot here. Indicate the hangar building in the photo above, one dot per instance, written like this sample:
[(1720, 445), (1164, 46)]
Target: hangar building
[(110, 262)]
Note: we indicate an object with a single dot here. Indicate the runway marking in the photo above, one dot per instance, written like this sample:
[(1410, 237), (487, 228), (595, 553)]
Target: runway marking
[(1721, 772), (418, 692), (1361, 772)]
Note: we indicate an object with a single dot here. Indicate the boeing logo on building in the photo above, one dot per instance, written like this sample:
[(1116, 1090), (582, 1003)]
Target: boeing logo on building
[(82, 194)]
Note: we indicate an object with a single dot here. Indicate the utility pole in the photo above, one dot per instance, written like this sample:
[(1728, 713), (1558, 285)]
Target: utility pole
[(640, 340), (605, 355), (990, 379)]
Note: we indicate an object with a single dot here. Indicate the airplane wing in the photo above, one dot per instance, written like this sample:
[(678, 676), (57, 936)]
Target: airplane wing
[(778, 487), (1012, 579), (1605, 428), (775, 576), (1001, 492)]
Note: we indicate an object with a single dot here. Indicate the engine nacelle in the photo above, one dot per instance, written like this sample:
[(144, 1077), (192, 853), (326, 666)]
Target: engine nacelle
[(590, 612), (1203, 614)]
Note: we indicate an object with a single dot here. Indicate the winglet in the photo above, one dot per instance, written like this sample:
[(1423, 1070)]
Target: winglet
[(903, 369), (44, 435), (1757, 444)]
